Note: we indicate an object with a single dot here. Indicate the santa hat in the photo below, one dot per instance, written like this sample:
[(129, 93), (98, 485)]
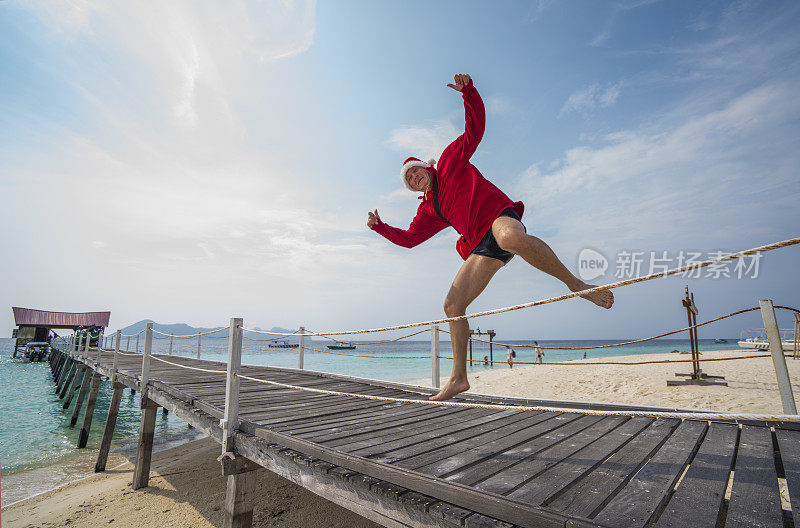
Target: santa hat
[(415, 162)]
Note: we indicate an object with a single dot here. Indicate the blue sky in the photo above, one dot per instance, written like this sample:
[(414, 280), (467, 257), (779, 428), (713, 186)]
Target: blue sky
[(192, 161)]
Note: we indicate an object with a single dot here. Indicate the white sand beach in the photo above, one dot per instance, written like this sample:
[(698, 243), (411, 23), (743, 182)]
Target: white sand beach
[(752, 385), (186, 490)]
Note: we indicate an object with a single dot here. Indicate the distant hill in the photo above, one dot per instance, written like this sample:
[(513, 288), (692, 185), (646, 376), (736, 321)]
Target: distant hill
[(185, 329)]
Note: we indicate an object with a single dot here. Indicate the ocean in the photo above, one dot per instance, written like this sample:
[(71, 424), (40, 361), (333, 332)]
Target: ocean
[(37, 445)]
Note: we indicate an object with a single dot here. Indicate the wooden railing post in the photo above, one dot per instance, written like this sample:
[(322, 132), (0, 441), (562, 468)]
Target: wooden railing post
[(171, 339), (778, 359), (99, 347), (128, 345), (301, 348), (198, 346), (230, 421), (86, 342), (116, 356), (137, 343), (148, 343), (435, 356)]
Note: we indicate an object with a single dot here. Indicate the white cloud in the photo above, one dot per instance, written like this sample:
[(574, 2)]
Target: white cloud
[(591, 97), (424, 141), (665, 179)]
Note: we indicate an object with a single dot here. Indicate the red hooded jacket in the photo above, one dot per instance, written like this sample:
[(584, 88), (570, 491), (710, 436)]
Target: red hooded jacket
[(467, 201)]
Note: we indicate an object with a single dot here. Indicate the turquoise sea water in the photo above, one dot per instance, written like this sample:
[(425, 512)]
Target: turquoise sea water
[(35, 436)]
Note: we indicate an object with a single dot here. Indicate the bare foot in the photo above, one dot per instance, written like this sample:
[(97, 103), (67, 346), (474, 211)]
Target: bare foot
[(450, 389), (603, 299)]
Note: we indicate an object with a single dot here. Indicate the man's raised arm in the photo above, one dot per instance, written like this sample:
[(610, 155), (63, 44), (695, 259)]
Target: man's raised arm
[(474, 117)]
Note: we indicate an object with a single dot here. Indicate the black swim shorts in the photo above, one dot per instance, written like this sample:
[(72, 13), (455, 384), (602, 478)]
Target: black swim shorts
[(488, 246)]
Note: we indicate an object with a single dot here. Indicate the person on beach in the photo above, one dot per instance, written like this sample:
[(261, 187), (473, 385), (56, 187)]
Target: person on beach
[(456, 194), (539, 352), (510, 356)]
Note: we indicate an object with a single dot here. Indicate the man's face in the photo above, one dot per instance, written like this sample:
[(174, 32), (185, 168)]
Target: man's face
[(418, 178)]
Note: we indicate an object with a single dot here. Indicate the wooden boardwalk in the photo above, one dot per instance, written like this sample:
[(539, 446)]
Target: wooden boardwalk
[(405, 464)]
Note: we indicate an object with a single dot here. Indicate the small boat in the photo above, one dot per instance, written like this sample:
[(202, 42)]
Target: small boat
[(283, 344), (757, 339), (718, 340), (341, 347)]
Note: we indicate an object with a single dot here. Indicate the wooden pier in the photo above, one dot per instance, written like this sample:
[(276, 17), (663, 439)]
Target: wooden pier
[(405, 464)]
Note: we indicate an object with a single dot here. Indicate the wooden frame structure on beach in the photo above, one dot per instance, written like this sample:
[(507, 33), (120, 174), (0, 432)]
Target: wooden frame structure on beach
[(402, 464), (697, 376)]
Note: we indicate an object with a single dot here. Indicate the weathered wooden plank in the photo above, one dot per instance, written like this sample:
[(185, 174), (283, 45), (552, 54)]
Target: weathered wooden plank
[(592, 491), (755, 499), (557, 478), (265, 417), (418, 432), (514, 476), (789, 445), (645, 494), (700, 495), (432, 440), (377, 421), (466, 450), (361, 417), (455, 494), (378, 431), (542, 436)]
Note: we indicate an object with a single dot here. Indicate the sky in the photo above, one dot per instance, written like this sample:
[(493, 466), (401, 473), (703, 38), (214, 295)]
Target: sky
[(193, 161)]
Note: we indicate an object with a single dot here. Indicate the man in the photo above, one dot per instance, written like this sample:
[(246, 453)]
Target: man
[(539, 352), (510, 356), (456, 194)]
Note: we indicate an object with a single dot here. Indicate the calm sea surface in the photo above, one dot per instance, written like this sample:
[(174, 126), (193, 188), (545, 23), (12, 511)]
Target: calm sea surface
[(37, 445)]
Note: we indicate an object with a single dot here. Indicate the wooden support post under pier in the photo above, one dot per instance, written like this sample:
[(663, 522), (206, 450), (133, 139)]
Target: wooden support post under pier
[(108, 432), (141, 473), (87, 379), (144, 453), (67, 364), (67, 379), (79, 374), (240, 491), (56, 359), (62, 362), (83, 437)]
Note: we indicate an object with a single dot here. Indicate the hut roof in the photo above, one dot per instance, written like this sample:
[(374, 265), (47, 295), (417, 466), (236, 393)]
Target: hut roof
[(31, 317)]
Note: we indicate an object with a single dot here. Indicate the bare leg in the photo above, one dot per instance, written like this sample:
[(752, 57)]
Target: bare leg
[(470, 281), (510, 235)]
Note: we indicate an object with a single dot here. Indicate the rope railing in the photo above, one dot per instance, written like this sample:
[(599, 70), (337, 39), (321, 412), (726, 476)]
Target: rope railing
[(579, 363), (623, 343), (266, 340), (373, 342), (189, 367), (558, 298), (189, 335)]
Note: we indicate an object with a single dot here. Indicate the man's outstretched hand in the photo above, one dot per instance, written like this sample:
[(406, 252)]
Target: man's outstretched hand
[(460, 80), (373, 219)]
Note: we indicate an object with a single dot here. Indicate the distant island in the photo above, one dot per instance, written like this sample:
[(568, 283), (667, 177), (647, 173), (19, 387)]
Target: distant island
[(185, 329)]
